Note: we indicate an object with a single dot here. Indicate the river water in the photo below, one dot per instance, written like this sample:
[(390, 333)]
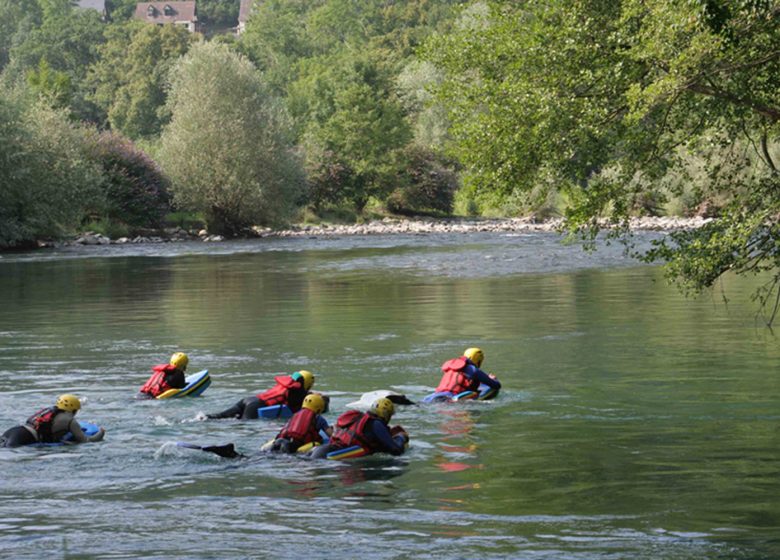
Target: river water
[(634, 423)]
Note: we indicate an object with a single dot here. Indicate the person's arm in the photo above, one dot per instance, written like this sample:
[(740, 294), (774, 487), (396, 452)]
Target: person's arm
[(483, 377), (395, 445), (322, 426), (78, 434)]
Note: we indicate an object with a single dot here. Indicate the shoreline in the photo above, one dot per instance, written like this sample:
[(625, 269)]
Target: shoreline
[(385, 226)]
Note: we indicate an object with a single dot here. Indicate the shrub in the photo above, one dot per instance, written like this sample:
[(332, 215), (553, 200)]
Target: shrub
[(427, 184), (136, 191)]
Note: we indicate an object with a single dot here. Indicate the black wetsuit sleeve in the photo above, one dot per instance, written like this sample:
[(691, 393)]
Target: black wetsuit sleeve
[(387, 443), (295, 398), (176, 379)]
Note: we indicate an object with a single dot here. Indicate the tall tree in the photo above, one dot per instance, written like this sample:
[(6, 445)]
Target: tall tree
[(17, 18), (47, 177), (606, 100), (67, 41), (227, 148), (130, 75)]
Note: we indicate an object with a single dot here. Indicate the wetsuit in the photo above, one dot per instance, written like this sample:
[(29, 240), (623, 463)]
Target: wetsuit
[(62, 423), (291, 395), (377, 436)]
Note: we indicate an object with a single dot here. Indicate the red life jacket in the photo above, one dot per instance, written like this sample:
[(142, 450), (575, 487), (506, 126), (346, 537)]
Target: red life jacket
[(42, 422), (454, 379), (350, 430), (156, 385), (302, 427), (279, 393)]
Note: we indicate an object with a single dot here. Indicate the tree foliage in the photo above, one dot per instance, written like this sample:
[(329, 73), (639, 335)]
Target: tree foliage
[(66, 40), (47, 176), (130, 75), (337, 64), (606, 100), (226, 148)]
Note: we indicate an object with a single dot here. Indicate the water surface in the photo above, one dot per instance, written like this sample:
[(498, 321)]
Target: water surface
[(634, 423)]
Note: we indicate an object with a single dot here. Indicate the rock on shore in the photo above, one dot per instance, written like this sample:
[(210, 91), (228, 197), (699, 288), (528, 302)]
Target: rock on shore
[(389, 226)]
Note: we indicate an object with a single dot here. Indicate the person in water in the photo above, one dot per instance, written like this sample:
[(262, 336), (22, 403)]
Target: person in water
[(304, 427), (463, 374), (50, 425), (165, 377), (289, 390), (369, 430)]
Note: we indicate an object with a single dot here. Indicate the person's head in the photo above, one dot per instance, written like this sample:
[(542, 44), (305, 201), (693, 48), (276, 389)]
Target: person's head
[(475, 355), (180, 360), (314, 402), (68, 403), (383, 408), (305, 377)]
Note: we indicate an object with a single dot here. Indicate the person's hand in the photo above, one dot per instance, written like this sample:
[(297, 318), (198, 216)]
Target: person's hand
[(399, 431), (99, 435)]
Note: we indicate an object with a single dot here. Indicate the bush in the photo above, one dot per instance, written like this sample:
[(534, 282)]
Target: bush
[(428, 185), (136, 191), (329, 180)]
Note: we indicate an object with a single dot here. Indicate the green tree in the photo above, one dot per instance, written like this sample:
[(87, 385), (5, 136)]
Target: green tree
[(337, 63), (604, 100), (54, 87), (67, 40), (355, 116), (218, 13), (17, 18), (47, 177), (129, 77), (226, 149)]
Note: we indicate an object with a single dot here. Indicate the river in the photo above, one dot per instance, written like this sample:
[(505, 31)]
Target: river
[(633, 423)]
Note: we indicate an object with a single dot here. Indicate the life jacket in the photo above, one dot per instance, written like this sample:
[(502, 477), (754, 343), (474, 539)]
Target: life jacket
[(454, 379), (42, 422), (280, 393), (156, 385), (350, 430), (302, 427)]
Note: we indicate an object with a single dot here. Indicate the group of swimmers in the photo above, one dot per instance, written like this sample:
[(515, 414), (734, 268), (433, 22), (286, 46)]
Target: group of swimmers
[(306, 429)]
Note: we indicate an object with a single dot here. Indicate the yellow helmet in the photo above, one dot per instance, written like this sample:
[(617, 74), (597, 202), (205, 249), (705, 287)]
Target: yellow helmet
[(68, 403), (308, 378), (475, 355), (383, 408), (315, 403), (180, 360)]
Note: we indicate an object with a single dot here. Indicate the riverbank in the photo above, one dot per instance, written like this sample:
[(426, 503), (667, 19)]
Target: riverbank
[(386, 226)]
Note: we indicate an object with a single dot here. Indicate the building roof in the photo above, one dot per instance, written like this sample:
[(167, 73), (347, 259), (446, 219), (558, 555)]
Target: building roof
[(99, 5), (166, 12)]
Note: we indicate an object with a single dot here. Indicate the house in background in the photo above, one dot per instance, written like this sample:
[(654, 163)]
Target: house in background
[(99, 5), (174, 13)]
